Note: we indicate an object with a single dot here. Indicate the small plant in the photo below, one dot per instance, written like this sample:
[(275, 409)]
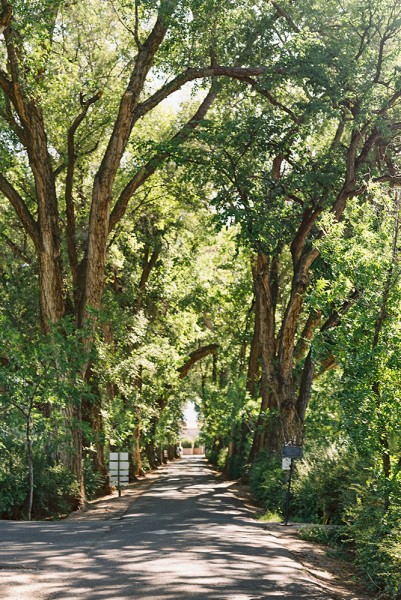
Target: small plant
[(94, 481), (271, 517), (375, 532), (266, 482), (222, 458), (186, 443), (329, 535)]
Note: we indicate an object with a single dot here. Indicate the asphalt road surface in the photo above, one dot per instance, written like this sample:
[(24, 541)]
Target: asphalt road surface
[(187, 537)]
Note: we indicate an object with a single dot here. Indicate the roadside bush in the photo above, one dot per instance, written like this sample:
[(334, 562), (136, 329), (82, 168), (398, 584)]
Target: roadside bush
[(329, 535), (186, 443), (13, 490), (222, 458), (376, 534), (94, 481), (56, 491), (324, 485), (234, 467), (266, 482)]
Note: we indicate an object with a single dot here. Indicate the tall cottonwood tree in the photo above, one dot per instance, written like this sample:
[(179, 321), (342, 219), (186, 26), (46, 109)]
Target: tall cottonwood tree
[(330, 128), (22, 80)]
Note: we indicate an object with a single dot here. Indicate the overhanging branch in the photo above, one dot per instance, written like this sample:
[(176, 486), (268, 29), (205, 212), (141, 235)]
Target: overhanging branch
[(150, 167), (190, 74), (195, 357), (21, 209)]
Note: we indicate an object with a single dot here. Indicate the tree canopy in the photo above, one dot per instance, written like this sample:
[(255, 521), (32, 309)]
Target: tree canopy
[(200, 200)]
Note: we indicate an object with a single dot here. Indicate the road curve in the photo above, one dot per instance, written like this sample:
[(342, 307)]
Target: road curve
[(187, 537)]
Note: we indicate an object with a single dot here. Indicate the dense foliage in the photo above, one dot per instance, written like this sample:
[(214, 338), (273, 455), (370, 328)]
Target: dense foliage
[(199, 201)]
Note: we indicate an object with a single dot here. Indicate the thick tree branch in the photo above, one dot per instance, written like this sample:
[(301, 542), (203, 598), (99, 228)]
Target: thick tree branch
[(26, 218), (305, 387), (190, 74), (389, 104), (195, 357), (99, 220), (147, 170), (308, 220), (290, 320), (5, 83), (265, 273), (350, 174), (312, 322), (136, 27), (148, 264), (5, 16), (263, 92), (283, 13), (334, 318), (124, 121), (12, 121), (379, 64), (16, 249), (69, 183), (134, 32)]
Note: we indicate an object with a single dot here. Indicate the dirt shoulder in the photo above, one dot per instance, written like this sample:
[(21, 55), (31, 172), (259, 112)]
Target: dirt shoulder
[(336, 575), (113, 506)]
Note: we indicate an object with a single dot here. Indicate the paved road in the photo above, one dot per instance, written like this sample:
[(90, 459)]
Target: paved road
[(187, 537)]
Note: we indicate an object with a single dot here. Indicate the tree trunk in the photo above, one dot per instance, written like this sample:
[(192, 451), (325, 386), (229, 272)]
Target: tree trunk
[(92, 416), (282, 396), (160, 456), (30, 464), (136, 452), (151, 455), (71, 453)]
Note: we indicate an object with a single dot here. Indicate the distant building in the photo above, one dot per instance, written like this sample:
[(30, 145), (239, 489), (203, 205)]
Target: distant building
[(191, 434)]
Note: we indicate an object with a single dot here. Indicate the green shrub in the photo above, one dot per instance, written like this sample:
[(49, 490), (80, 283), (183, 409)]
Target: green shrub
[(222, 458), (234, 467), (330, 535), (376, 534), (56, 491), (267, 483), (13, 491), (94, 481), (324, 485), (186, 443)]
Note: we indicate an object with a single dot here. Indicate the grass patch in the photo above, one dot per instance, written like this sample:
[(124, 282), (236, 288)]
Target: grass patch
[(270, 517), (329, 535)]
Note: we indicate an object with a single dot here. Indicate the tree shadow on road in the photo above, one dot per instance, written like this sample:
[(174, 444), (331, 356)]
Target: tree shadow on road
[(187, 537)]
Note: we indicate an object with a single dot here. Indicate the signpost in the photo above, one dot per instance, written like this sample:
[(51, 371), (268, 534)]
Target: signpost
[(289, 453), (118, 468)]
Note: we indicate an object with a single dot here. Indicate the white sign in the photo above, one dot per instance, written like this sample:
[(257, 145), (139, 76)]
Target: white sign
[(286, 464), (118, 456), (119, 468), (122, 465)]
